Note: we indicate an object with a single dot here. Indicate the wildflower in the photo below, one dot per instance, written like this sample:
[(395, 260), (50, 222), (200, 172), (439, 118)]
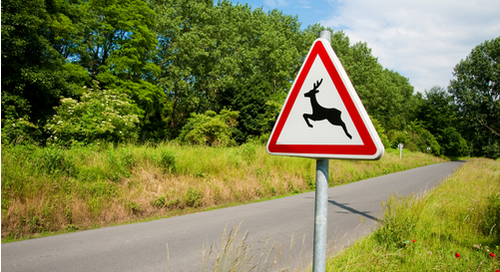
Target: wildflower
[(413, 241), (14, 125), (58, 122), (492, 255), (457, 255)]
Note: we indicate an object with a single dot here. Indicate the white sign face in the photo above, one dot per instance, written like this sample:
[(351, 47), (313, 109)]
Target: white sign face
[(323, 116), (296, 129)]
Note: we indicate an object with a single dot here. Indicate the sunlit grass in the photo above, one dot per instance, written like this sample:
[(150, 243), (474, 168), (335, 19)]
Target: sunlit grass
[(461, 216), (46, 190)]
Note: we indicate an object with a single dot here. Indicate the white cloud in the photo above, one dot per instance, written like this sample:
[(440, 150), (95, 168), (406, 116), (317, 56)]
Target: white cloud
[(422, 40), (275, 3)]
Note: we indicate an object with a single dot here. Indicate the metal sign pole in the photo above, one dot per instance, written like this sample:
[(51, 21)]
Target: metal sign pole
[(320, 215), (321, 203)]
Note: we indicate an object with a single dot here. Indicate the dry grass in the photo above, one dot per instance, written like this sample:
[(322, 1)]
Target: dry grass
[(48, 190)]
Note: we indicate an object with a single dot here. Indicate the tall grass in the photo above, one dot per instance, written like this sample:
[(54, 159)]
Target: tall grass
[(425, 234), (56, 190)]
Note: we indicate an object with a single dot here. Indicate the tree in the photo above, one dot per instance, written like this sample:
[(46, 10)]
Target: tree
[(117, 50), (34, 70), (438, 115), (475, 91), (224, 56)]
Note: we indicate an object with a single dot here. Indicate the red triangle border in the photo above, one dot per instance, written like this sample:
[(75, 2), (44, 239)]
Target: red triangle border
[(368, 148)]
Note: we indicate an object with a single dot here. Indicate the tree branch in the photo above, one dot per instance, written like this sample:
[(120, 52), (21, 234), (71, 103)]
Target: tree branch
[(492, 130)]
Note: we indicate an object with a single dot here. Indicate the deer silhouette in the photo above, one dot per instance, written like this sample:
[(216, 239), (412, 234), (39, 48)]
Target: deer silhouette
[(321, 113)]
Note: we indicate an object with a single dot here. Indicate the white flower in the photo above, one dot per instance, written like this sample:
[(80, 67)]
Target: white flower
[(59, 122), (120, 132), (14, 125)]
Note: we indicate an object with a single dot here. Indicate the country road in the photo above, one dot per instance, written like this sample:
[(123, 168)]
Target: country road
[(352, 213)]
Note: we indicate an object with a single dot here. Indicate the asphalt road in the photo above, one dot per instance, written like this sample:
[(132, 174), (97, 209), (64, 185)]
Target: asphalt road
[(352, 213)]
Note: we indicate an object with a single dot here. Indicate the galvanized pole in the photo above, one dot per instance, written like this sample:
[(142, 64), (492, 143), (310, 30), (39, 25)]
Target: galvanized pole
[(321, 203)]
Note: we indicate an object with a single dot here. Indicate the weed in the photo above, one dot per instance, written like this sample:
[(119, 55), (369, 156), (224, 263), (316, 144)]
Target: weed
[(401, 215), (491, 219), (158, 202), (54, 161), (167, 161), (193, 198), (134, 207), (235, 253)]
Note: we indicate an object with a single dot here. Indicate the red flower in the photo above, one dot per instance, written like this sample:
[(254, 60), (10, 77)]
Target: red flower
[(457, 255), (492, 255), (413, 241)]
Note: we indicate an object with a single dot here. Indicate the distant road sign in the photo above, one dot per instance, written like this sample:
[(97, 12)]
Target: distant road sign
[(323, 116)]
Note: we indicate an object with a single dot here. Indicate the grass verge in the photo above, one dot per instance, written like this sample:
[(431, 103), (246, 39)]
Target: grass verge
[(454, 227), (49, 190)]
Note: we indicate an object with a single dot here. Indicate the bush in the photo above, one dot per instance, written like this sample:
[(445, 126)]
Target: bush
[(453, 143), (210, 129), (381, 132), (415, 138), (101, 115)]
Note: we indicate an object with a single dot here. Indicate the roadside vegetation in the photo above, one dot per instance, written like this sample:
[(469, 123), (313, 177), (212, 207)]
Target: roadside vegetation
[(53, 190), (454, 227)]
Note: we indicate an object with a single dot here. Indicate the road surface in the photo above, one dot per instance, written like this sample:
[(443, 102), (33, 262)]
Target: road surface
[(352, 213)]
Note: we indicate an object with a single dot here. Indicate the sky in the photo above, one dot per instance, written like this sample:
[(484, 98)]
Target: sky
[(422, 40)]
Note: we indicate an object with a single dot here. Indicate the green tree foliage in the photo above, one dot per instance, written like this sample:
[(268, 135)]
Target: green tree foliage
[(224, 56), (118, 46), (174, 64), (35, 34), (210, 129), (438, 115), (476, 92), (101, 115)]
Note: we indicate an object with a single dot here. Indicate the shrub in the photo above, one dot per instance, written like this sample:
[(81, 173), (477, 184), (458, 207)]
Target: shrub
[(193, 198), (101, 115), (453, 143), (415, 138), (210, 129)]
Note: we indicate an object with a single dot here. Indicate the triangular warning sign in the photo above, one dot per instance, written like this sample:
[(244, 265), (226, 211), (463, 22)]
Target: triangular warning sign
[(323, 116)]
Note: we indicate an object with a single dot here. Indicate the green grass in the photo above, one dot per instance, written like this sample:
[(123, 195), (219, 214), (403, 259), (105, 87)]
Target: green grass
[(425, 233), (50, 190)]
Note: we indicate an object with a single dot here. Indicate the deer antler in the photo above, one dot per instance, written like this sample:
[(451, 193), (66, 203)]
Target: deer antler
[(316, 85)]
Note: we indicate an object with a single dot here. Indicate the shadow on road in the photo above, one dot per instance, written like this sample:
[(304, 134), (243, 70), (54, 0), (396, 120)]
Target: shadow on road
[(352, 210)]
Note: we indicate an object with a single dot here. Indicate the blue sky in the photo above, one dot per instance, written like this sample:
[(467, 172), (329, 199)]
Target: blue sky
[(422, 40)]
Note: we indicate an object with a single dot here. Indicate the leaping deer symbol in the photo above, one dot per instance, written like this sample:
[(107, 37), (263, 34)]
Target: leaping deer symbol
[(321, 113)]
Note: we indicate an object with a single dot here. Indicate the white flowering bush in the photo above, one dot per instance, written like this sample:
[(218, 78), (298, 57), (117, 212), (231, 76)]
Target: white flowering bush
[(100, 115)]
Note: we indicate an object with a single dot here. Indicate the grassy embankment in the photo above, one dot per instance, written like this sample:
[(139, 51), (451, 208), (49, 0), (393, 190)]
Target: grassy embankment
[(49, 190), (454, 227)]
